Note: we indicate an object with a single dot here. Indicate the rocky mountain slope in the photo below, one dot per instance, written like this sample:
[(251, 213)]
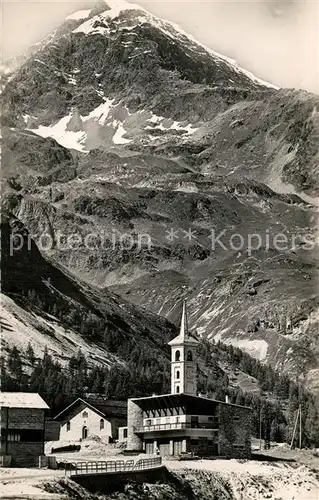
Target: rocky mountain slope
[(126, 134), (45, 305)]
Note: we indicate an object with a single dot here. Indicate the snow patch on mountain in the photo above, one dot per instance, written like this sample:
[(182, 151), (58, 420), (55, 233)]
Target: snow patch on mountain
[(88, 28), (164, 124), (256, 348), (79, 15), (118, 137), (187, 188), (116, 7), (100, 113), (65, 137), (81, 133), (72, 80)]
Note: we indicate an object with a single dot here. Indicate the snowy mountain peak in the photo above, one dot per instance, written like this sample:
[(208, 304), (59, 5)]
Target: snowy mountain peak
[(79, 15), (173, 30)]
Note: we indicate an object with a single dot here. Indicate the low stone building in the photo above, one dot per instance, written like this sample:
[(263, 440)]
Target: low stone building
[(182, 421), (92, 417), (22, 428)]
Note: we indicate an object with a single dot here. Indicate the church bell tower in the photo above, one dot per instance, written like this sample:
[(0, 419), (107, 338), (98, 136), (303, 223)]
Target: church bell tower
[(184, 360)]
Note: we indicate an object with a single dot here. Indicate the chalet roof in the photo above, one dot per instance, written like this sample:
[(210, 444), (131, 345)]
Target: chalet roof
[(104, 407), (173, 400), (22, 400)]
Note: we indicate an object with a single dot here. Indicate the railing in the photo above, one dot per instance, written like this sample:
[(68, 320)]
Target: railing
[(104, 467), (178, 426)]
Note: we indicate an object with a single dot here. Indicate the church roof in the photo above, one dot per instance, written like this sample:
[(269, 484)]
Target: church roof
[(104, 407), (183, 337)]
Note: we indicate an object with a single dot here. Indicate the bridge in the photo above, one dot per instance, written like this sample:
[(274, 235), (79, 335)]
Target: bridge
[(108, 475), (111, 466)]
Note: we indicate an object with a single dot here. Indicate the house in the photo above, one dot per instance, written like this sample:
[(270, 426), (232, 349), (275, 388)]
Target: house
[(93, 416), (182, 421), (22, 428)]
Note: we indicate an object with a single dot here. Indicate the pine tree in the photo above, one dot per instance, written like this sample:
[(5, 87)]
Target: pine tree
[(310, 425), (15, 363), (240, 400), (30, 354)]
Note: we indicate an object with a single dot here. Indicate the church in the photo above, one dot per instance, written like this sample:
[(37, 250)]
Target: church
[(184, 422)]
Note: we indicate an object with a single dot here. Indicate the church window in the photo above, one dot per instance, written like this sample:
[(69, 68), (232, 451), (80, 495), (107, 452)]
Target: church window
[(177, 374), (189, 356), (101, 424), (177, 389), (85, 414), (68, 426), (177, 355)]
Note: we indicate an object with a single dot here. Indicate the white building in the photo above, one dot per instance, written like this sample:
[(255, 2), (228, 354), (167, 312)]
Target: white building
[(92, 417)]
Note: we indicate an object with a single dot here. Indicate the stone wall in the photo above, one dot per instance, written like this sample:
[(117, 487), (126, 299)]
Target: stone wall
[(25, 454), (22, 418), (234, 431), (134, 420)]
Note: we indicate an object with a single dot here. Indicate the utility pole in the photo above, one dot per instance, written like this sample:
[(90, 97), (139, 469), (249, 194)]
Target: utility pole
[(300, 428), (295, 428), (260, 427)]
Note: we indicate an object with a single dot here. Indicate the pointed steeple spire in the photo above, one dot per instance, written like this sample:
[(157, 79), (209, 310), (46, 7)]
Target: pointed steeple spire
[(183, 336), (183, 332)]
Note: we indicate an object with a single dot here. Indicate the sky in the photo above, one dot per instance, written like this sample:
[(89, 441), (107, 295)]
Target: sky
[(278, 40)]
